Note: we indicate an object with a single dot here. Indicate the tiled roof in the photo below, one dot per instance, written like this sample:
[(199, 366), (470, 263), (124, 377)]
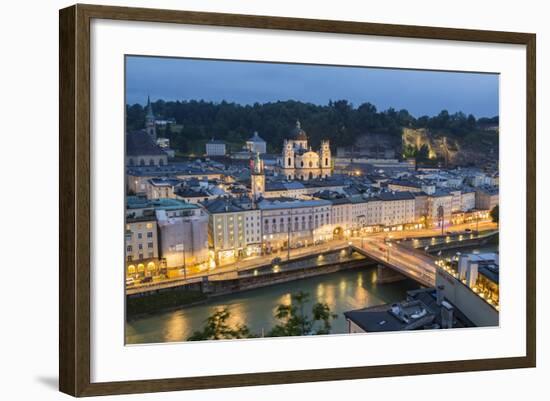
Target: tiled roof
[(139, 143)]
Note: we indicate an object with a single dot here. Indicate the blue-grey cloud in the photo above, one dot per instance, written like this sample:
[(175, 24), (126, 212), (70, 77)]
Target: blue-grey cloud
[(420, 92)]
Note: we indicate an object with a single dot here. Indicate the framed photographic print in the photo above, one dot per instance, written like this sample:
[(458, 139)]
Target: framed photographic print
[(249, 200)]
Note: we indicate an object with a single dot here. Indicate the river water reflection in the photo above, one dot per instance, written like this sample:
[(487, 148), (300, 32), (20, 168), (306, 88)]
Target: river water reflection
[(342, 291)]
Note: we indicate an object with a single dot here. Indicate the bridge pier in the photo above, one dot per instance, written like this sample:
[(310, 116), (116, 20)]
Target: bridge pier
[(387, 275)]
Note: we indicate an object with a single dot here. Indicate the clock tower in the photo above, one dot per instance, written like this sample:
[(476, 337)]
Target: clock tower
[(257, 177)]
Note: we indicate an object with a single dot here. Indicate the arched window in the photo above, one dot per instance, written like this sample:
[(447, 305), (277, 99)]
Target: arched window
[(326, 161), (131, 162), (289, 161), (151, 267), (310, 164), (151, 162), (289, 177), (310, 176), (302, 163)]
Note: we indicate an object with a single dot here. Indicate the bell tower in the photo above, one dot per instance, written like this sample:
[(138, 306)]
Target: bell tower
[(326, 159), (288, 159), (257, 177), (150, 121)]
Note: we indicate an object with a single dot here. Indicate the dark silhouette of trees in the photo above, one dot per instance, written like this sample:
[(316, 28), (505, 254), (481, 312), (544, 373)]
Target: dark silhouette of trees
[(339, 121), (295, 319)]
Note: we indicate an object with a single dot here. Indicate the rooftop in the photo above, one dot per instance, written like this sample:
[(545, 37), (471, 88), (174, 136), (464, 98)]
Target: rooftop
[(222, 205), (138, 202), (215, 142), (290, 203), (256, 138), (139, 143), (420, 311), (164, 182)]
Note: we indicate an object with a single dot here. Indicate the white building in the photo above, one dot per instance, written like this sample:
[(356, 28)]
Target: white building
[(215, 147), (256, 144), (157, 188), (439, 209), (486, 198), (398, 209), (298, 161), (183, 229), (468, 200), (295, 221), (234, 232)]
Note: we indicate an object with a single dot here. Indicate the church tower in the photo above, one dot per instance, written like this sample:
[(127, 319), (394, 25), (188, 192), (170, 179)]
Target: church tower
[(288, 159), (150, 121), (257, 177), (326, 159)]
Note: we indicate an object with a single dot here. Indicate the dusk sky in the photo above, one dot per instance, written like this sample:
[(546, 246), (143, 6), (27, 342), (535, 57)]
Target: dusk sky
[(420, 92)]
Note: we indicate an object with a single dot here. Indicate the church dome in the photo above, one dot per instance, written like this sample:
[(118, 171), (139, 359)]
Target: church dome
[(298, 133)]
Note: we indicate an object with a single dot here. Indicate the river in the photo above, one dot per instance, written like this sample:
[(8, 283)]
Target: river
[(342, 291)]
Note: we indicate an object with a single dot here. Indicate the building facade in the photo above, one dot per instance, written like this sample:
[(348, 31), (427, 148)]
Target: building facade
[(295, 222), (141, 242), (234, 231), (183, 229), (300, 162), (256, 144), (215, 147), (486, 198)]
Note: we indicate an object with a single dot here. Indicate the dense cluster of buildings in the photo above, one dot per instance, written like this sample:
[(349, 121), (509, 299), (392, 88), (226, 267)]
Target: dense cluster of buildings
[(211, 212)]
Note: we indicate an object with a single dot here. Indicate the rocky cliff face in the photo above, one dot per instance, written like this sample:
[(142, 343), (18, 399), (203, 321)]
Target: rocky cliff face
[(475, 148)]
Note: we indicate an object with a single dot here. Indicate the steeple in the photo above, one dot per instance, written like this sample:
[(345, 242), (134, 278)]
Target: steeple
[(149, 109), (150, 120), (257, 177)]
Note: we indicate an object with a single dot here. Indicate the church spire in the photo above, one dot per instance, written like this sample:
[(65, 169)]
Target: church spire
[(150, 120), (149, 109)]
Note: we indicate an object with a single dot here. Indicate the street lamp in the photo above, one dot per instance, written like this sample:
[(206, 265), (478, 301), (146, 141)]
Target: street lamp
[(388, 251)]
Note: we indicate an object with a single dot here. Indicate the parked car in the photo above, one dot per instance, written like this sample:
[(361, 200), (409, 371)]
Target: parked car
[(146, 280), (130, 282)]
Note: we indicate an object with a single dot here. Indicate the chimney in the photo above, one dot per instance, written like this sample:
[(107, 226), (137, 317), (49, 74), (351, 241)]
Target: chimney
[(439, 294)]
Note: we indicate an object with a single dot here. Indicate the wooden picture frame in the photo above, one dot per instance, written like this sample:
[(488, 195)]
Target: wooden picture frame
[(75, 208)]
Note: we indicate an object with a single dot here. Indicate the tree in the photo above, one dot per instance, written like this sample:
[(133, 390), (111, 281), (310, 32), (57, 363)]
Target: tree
[(296, 322), (339, 121), (423, 153), (217, 328), (494, 214)]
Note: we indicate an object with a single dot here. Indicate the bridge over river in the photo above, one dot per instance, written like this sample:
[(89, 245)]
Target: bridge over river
[(411, 263)]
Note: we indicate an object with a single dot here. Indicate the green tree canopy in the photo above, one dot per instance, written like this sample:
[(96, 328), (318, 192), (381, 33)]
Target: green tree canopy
[(339, 121), (295, 321), (217, 328)]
